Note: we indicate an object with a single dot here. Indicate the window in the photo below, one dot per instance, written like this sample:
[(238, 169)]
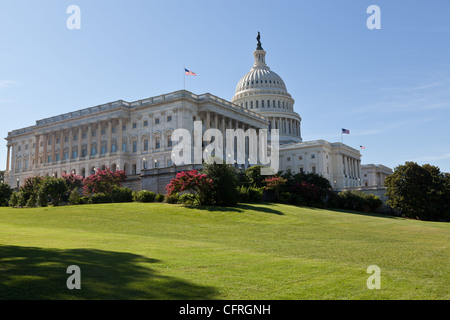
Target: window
[(42, 144), (84, 153), (49, 159), (113, 130), (26, 147), (134, 146), (262, 103), (75, 137), (157, 143), (93, 151), (146, 123), (251, 104), (103, 132), (301, 170), (94, 133), (156, 164), (328, 170), (83, 135), (156, 120), (26, 164), (257, 105), (113, 148), (314, 169), (146, 145), (66, 155), (134, 125), (288, 158), (19, 148), (57, 157), (313, 156), (74, 154), (103, 150), (300, 157), (169, 163), (19, 165), (169, 140), (124, 128), (49, 142), (169, 118), (133, 169)]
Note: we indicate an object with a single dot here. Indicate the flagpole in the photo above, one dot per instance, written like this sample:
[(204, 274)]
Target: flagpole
[(184, 77)]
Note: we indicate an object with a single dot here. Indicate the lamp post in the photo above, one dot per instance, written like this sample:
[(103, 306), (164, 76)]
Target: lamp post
[(18, 181), (143, 163)]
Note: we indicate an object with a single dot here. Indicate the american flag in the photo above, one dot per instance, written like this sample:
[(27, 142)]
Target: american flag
[(362, 147), (189, 73), (346, 131)]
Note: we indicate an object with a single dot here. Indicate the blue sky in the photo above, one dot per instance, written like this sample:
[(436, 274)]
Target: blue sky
[(389, 87)]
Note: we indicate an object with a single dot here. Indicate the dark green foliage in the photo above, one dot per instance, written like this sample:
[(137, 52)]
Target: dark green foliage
[(224, 179), (421, 192), (358, 201), (172, 199), (250, 194), (252, 177), (32, 201), (54, 188), (14, 200), (144, 196), (75, 198), (42, 199), (159, 197), (5, 194), (121, 195), (100, 198), (187, 199)]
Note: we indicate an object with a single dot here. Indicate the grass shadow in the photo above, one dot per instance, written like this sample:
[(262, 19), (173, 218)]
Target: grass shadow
[(240, 207), (40, 274), (369, 214)]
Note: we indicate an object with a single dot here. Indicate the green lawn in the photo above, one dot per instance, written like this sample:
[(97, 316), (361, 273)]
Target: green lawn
[(162, 251)]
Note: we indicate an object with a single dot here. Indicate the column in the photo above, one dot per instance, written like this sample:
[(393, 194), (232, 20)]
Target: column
[(99, 138), (120, 142), (89, 144), (70, 144), (208, 120), (8, 157), (44, 153), (53, 146), (80, 143), (216, 121), (36, 152), (61, 146), (109, 136)]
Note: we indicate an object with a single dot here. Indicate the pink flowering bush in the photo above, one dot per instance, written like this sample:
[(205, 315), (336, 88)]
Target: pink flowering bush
[(275, 184), (73, 181), (104, 181), (190, 181)]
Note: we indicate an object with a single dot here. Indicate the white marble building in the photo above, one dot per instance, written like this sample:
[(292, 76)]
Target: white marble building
[(135, 136)]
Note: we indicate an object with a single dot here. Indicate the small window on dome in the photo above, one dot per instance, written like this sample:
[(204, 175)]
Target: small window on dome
[(270, 81), (266, 81), (252, 82)]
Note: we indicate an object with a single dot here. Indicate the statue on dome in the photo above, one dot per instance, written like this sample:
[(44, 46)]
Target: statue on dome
[(259, 47)]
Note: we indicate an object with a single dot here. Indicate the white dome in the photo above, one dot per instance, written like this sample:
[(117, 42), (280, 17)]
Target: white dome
[(261, 78)]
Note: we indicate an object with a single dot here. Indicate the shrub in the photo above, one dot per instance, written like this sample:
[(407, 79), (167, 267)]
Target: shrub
[(275, 183), (5, 194), (144, 196), (32, 201), (42, 199), (250, 194), (100, 198), (190, 181), (75, 198), (358, 201), (120, 195), (172, 199), (159, 197), (187, 199), (14, 200), (85, 200), (53, 188), (104, 181), (222, 188)]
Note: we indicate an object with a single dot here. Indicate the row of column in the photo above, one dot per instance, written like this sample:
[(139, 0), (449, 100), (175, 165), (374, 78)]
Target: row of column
[(351, 167), (287, 126)]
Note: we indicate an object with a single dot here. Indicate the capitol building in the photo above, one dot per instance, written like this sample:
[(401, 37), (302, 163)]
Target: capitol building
[(136, 136)]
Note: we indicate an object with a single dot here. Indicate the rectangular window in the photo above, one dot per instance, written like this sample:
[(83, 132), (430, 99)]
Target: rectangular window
[(94, 133), (49, 142), (134, 146), (314, 169), (57, 157), (113, 130), (74, 154), (66, 155), (133, 169), (26, 147), (145, 123), (169, 118), (156, 164), (103, 149), (169, 141), (49, 159), (113, 148), (157, 143), (169, 163), (103, 132), (145, 145), (134, 125), (156, 120), (84, 135), (75, 137), (124, 128), (301, 169)]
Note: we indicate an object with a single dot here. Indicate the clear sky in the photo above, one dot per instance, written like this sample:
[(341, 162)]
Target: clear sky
[(389, 87)]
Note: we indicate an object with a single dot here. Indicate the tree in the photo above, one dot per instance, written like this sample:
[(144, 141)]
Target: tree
[(253, 177), (53, 188), (224, 184), (5, 194), (193, 182), (73, 181), (104, 181), (421, 192)]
